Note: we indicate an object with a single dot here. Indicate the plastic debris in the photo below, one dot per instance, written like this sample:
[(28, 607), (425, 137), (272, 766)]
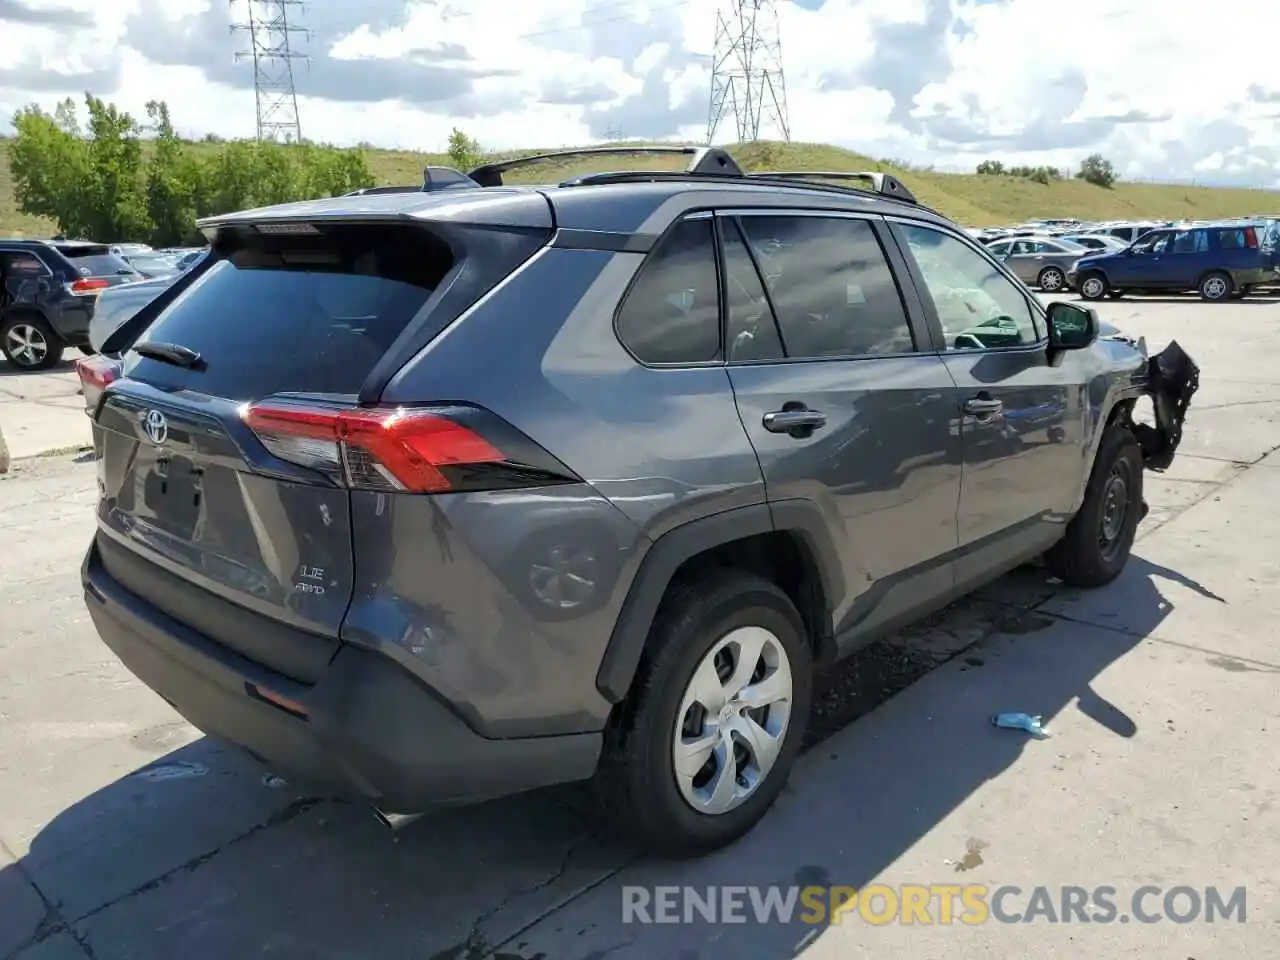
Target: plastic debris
[(274, 781), (1020, 721)]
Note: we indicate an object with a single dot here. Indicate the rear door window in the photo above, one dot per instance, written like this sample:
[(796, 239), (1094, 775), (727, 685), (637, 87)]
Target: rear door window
[(1190, 241), (91, 260), (307, 314), (830, 285), (671, 315)]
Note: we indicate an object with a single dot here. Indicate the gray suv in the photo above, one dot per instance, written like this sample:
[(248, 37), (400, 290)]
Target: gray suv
[(430, 497)]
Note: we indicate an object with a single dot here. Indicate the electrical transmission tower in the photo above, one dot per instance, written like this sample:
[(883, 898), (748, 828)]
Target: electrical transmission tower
[(270, 32), (746, 70)]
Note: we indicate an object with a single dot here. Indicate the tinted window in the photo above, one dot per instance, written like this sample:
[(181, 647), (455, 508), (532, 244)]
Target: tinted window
[(977, 305), (1152, 243), (831, 286), (1190, 241), (94, 261), (306, 314), (753, 333), (672, 313), (16, 265), (1235, 238), (1000, 249)]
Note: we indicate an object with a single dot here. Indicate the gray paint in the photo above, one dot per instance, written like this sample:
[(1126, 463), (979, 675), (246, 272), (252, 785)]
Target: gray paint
[(917, 500)]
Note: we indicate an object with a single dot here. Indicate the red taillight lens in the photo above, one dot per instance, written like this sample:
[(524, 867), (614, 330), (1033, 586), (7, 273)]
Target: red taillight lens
[(402, 449), (96, 374), (1251, 238), (89, 286)]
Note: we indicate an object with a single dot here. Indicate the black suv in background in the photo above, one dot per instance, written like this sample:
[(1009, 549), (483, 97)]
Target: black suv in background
[(48, 290)]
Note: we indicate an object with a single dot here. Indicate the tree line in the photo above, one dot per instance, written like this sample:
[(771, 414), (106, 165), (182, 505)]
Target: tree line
[(1095, 169), (113, 178)]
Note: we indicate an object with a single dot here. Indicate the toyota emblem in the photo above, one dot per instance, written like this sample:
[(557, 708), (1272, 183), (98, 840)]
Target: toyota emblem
[(157, 427)]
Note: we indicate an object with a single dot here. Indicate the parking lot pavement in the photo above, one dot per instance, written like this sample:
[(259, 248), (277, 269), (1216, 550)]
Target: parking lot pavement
[(123, 833), (41, 412)]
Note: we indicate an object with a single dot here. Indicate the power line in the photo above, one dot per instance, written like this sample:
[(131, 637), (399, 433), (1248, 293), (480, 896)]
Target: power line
[(746, 70), (270, 35)]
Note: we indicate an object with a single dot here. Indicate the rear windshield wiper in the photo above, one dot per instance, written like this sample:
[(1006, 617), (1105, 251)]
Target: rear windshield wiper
[(173, 353)]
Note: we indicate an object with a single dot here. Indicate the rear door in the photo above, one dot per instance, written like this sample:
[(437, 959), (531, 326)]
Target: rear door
[(196, 514), (1021, 417), (1189, 257), (845, 402)]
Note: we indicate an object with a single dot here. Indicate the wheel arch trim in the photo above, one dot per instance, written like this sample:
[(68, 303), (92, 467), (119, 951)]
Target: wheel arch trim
[(800, 518)]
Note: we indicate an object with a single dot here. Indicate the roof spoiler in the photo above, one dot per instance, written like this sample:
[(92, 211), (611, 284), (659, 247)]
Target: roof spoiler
[(703, 160), (434, 179), (883, 183)]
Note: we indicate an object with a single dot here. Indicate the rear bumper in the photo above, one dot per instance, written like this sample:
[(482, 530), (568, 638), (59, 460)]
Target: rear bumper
[(371, 732)]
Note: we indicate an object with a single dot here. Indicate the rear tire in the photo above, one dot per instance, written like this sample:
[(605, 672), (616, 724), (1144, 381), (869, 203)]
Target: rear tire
[(697, 635), (1099, 538), (1215, 287), (1093, 286), (1052, 280), (29, 343)]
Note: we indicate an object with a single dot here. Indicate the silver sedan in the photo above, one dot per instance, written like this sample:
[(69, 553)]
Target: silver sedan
[(1040, 261)]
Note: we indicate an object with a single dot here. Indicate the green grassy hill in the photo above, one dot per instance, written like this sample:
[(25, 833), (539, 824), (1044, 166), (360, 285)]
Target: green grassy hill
[(969, 199)]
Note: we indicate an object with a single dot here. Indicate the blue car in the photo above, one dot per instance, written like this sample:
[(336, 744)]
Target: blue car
[(1221, 261)]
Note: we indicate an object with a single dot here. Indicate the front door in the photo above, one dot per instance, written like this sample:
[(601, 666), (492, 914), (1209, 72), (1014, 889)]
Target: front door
[(1022, 419), (1026, 260), (1145, 265), (845, 403)]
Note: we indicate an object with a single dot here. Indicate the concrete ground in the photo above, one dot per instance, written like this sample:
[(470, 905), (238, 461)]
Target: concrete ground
[(42, 412), (123, 833)]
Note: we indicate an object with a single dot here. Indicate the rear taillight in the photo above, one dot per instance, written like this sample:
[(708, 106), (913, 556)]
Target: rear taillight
[(1251, 238), (85, 285), (406, 449), (96, 374)]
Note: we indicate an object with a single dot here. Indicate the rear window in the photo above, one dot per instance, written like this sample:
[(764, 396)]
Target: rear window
[(95, 261), (297, 314)]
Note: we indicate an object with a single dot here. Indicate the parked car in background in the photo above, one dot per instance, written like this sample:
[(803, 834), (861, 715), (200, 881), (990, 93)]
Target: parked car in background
[(1221, 261), (48, 293), (126, 249), (302, 474), (153, 264), (1042, 262), (1099, 242), (1126, 232)]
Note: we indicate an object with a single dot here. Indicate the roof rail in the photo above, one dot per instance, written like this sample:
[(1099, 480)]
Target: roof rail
[(883, 183), (434, 179), (704, 160)]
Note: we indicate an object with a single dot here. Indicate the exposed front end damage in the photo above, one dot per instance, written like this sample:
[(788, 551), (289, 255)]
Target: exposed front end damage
[(1171, 379)]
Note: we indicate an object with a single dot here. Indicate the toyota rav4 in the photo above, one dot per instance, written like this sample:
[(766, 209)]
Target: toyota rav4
[(433, 495)]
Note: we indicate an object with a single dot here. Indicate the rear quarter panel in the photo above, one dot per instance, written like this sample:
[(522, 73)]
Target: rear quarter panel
[(444, 583)]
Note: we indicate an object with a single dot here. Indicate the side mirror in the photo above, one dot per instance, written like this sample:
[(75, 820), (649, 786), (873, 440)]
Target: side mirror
[(1071, 327)]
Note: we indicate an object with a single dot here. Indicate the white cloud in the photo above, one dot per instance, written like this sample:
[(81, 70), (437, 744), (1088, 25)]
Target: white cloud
[(1163, 89)]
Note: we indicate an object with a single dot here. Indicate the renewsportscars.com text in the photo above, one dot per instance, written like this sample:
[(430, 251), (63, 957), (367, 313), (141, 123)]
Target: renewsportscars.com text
[(930, 904)]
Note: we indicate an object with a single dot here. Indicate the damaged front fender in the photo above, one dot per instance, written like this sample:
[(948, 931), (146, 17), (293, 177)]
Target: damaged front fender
[(1172, 378)]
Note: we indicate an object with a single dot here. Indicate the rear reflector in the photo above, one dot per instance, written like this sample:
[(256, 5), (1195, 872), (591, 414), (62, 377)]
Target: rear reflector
[(412, 450), (96, 373)]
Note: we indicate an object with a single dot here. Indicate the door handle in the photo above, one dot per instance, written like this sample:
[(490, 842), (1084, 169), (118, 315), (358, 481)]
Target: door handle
[(983, 407), (797, 421)]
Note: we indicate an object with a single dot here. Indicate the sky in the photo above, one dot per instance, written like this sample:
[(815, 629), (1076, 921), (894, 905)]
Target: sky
[(1166, 90)]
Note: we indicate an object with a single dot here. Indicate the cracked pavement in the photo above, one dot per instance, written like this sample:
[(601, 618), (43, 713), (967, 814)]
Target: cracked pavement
[(125, 834)]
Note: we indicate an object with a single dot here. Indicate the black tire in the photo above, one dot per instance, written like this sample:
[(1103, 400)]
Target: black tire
[(1052, 280), (1093, 286), (1216, 287), (28, 328), (636, 781), (1095, 548), (1114, 294)]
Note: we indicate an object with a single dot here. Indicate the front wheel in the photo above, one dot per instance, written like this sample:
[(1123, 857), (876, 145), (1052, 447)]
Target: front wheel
[(1215, 287), (29, 343), (1093, 286), (704, 742), (1099, 538), (1052, 280)]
